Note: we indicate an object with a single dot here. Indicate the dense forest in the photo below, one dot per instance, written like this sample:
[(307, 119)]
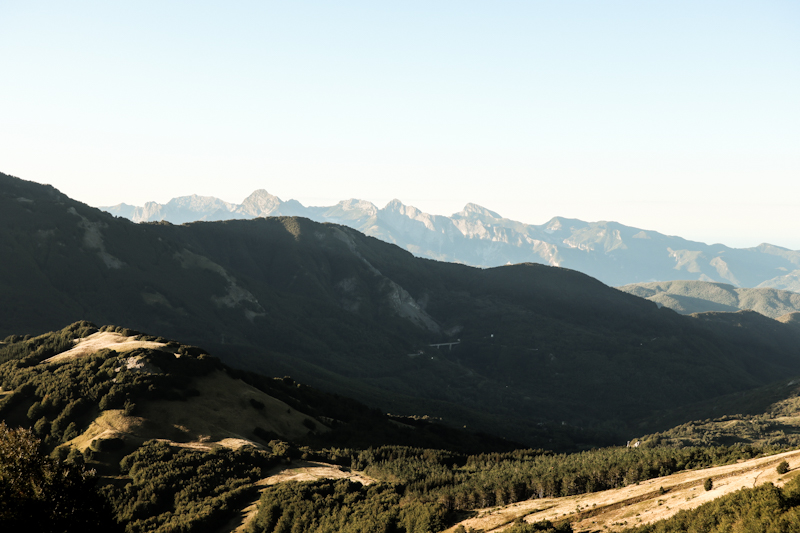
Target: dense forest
[(427, 476), (763, 509)]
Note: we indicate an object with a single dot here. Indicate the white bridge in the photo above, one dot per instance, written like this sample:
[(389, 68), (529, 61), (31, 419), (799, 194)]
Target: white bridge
[(448, 344)]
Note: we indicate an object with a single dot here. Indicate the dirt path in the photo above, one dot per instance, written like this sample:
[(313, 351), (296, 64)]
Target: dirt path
[(649, 501), (296, 471)]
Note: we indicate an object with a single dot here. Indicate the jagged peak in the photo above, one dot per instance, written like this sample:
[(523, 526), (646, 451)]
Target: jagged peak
[(557, 223), (260, 203), (394, 205), (196, 201), (261, 193), (476, 209), (354, 204)]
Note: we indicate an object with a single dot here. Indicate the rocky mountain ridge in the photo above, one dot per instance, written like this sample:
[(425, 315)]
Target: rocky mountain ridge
[(609, 251)]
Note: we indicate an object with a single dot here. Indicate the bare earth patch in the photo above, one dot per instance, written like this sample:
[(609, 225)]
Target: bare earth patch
[(647, 502), (312, 471), (296, 471), (100, 340), (110, 424)]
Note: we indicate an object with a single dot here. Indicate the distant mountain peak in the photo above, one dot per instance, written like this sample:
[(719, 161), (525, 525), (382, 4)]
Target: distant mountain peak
[(354, 204), (562, 223), (195, 200), (475, 209), (610, 251), (394, 205), (260, 204), (261, 193)]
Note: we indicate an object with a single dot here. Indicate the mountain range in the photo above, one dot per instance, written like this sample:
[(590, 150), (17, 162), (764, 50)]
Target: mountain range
[(149, 434), (514, 350), (688, 297), (609, 251)]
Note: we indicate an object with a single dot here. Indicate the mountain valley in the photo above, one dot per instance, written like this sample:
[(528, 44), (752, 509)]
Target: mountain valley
[(180, 440), (513, 350), (325, 379)]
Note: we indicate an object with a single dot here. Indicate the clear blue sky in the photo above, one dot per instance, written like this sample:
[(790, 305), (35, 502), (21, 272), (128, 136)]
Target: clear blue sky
[(681, 117)]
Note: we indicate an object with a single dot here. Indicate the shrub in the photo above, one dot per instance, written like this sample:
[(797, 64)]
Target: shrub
[(107, 445), (783, 467), (36, 411), (708, 484), (256, 404), (45, 494)]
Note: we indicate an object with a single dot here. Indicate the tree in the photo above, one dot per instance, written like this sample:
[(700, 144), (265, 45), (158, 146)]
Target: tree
[(783, 467), (708, 484), (41, 494), (36, 411)]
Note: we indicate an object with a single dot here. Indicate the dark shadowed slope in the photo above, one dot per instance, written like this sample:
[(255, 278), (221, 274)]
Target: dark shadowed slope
[(349, 313)]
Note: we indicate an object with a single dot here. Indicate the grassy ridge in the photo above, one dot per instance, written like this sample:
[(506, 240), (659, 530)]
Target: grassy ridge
[(766, 509)]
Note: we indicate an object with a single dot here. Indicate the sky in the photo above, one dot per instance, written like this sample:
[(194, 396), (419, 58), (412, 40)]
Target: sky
[(681, 117)]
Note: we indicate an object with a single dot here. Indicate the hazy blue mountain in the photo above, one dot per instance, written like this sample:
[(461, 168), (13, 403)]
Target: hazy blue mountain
[(609, 251), (787, 282), (689, 297)]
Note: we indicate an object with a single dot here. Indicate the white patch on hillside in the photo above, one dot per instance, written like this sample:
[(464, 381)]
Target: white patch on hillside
[(351, 245), (405, 306), (93, 239), (348, 299), (236, 296), (722, 269), (156, 298), (138, 365), (401, 301)]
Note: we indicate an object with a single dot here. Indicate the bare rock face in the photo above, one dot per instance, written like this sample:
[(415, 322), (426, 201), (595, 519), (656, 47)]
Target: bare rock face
[(259, 204)]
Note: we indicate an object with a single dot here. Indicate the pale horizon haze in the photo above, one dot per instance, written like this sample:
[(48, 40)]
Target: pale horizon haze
[(679, 117)]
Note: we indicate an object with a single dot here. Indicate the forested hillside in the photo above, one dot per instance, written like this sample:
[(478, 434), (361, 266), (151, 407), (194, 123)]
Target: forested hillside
[(129, 436), (533, 353)]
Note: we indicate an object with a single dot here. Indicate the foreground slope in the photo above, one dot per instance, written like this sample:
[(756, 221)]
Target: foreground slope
[(609, 251), (641, 503), (521, 347), (183, 442)]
